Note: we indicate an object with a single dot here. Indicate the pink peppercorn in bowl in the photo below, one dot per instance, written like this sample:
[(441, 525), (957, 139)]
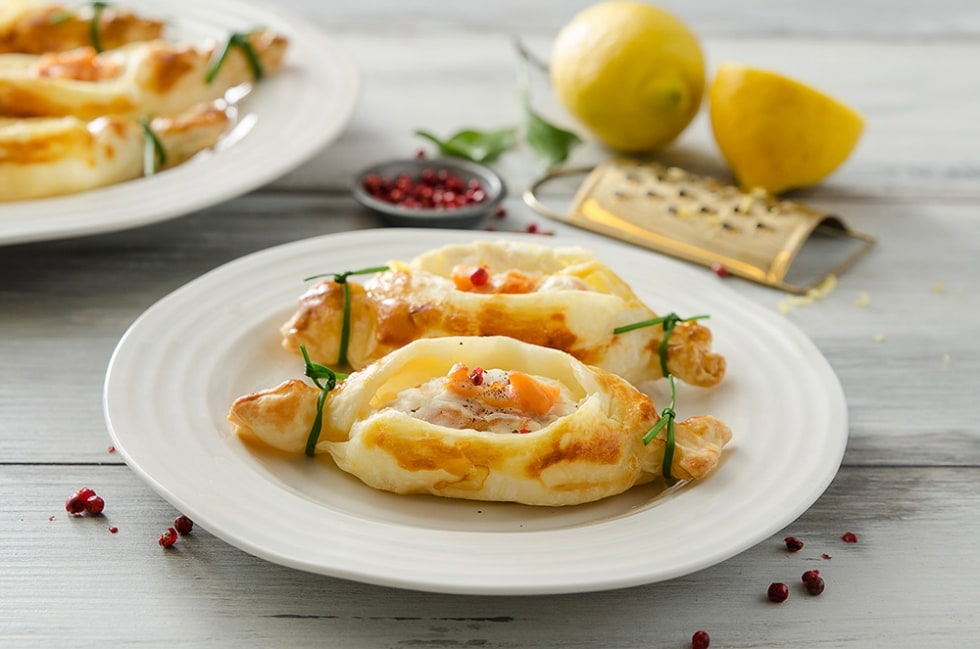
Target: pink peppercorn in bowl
[(429, 193)]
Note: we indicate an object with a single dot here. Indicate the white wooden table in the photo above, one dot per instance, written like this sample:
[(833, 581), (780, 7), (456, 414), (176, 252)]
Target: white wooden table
[(909, 361)]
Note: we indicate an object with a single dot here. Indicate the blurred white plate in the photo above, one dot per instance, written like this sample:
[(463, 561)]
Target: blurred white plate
[(282, 123), (181, 364)]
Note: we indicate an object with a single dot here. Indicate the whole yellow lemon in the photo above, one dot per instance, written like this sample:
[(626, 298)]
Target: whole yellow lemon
[(630, 72), (777, 133)]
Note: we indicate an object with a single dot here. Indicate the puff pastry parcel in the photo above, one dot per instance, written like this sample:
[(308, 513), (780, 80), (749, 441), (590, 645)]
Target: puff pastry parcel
[(35, 27), (484, 418), (141, 79), (41, 157), (563, 298)]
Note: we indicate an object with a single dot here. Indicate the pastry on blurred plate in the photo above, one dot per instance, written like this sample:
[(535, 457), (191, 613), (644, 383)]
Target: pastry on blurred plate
[(37, 27), (51, 156), (483, 418), (138, 80), (561, 297)]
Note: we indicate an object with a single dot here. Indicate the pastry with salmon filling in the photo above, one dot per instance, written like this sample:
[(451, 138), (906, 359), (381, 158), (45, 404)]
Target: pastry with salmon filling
[(563, 298), (141, 79), (484, 418), (33, 27), (52, 156)]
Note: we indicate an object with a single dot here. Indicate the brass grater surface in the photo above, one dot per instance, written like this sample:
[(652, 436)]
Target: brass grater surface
[(699, 219)]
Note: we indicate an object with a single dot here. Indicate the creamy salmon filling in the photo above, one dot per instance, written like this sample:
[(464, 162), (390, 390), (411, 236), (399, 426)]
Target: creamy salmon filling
[(491, 400), (479, 279)]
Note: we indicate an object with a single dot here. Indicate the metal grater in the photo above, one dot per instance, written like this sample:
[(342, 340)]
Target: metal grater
[(699, 219)]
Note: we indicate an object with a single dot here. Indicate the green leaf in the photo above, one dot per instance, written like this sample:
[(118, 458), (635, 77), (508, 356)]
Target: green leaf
[(552, 144), (478, 146)]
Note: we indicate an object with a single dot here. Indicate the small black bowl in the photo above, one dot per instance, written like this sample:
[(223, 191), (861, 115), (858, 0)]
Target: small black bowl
[(466, 216)]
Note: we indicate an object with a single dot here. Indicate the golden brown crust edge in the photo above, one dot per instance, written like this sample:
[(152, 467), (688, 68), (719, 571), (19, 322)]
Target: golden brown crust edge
[(37, 28)]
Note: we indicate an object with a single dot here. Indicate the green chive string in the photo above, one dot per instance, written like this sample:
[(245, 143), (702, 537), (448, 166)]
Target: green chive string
[(239, 40), (341, 278), (319, 373), (154, 155), (668, 321), (667, 416), (95, 25)]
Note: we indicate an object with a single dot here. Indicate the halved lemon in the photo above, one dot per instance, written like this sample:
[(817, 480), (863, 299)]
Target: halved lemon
[(776, 133)]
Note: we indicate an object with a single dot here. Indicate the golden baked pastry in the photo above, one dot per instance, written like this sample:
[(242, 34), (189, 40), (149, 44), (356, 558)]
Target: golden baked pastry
[(141, 79), (43, 156), (562, 298), (36, 27), (483, 418)]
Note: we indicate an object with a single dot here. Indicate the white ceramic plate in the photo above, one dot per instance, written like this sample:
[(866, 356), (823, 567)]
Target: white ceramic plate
[(286, 120), (181, 364)]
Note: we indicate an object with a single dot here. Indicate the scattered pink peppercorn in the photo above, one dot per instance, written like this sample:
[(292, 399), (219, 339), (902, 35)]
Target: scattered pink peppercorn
[(778, 592), (168, 538), (433, 189), (813, 582), (533, 228), (849, 537), (500, 212), (476, 376), (94, 504), (113, 529), (700, 640), (183, 525), (826, 556), (480, 276), (85, 493), (420, 154), (719, 269), (793, 544), (111, 449), (76, 504)]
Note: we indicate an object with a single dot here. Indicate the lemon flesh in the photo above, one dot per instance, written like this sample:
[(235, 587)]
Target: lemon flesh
[(631, 73), (776, 133)]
